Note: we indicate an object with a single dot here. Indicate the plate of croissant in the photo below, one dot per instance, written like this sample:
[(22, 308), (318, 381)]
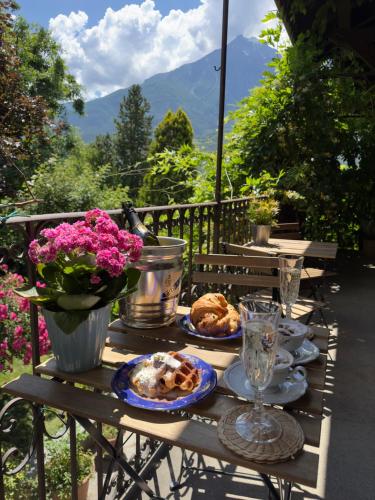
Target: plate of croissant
[(164, 381), (213, 318)]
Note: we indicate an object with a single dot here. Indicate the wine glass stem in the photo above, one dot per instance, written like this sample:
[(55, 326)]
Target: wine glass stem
[(258, 404), (288, 311)]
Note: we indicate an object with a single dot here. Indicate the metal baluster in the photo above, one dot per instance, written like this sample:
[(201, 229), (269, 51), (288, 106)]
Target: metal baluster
[(99, 458), (155, 222), (39, 446), (190, 263), (200, 229), (181, 221), (2, 491), (37, 411), (169, 222), (208, 229), (73, 458)]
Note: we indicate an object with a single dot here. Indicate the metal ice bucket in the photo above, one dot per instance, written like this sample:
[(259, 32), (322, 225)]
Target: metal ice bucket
[(155, 302)]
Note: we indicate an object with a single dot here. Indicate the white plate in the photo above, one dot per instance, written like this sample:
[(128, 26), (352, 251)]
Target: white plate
[(236, 380), (306, 353)]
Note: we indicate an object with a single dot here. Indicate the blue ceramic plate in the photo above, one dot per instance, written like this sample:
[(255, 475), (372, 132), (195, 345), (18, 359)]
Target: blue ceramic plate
[(121, 387), (187, 326)]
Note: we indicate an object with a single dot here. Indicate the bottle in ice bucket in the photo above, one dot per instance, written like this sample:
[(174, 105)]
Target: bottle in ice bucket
[(137, 227)]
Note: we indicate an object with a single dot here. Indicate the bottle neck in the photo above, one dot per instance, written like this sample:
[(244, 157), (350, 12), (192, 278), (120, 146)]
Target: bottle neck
[(132, 217)]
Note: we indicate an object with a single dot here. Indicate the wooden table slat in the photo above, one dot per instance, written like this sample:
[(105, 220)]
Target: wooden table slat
[(324, 250), (188, 434), (212, 407)]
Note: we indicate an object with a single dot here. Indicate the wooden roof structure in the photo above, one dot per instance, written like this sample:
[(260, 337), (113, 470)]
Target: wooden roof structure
[(345, 23)]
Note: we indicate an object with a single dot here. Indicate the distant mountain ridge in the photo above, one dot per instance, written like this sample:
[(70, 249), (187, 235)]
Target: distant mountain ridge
[(193, 86)]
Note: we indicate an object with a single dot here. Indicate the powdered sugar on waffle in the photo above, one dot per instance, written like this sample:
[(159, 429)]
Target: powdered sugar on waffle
[(159, 374)]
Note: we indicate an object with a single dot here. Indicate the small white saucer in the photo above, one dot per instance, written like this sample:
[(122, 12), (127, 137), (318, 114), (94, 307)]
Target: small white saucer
[(236, 380), (306, 353)]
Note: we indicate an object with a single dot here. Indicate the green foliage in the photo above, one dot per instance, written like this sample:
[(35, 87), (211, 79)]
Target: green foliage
[(23, 118), (263, 211), (173, 132), (312, 114), (74, 184), (34, 82), (173, 176), (133, 135), (24, 484), (43, 69), (58, 478), (21, 486)]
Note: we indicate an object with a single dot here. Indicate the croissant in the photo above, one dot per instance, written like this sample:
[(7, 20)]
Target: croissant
[(212, 315)]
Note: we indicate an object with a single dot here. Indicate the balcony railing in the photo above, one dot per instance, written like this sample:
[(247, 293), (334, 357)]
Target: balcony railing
[(202, 225)]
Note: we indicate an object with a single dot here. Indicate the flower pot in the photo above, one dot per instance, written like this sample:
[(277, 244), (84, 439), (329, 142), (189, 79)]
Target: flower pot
[(82, 349), (260, 234)]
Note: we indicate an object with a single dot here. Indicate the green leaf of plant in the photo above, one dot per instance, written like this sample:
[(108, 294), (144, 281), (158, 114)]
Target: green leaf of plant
[(27, 292), (77, 302), (69, 321), (133, 277)]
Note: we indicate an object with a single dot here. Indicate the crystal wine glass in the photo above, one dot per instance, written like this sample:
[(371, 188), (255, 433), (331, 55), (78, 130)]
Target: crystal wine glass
[(290, 277), (259, 320)]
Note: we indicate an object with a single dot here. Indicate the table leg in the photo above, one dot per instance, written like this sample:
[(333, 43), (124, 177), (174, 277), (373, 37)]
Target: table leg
[(103, 442)]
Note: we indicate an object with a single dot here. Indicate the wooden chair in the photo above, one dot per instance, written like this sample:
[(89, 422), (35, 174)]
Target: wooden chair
[(308, 273), (312, 279), (287, 230), (256, 274)]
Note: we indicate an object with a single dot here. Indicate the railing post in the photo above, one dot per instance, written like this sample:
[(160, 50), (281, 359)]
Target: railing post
[(220, 129)]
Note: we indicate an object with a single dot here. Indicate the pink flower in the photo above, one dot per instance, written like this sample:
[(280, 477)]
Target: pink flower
[(95, 280), (4, 267), (106, 225), (92, 215), (3, 311), (24, 305), (111, 260), (2, 294), (39, 284), (13, 316), (18, 331)]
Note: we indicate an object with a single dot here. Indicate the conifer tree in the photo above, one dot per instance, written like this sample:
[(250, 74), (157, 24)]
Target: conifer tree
[(174, 131), (133, 135)]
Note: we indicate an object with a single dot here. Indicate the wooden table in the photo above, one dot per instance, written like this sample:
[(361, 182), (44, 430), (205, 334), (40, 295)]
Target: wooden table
[(316, 249), (122, 345)]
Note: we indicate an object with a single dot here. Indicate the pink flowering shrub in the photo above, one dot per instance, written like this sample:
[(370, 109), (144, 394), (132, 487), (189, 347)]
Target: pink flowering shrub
[(15, 333), (83, 266)]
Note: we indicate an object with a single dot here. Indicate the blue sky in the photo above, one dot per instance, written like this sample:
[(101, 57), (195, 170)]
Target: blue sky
[(111, 44), (41, 11)]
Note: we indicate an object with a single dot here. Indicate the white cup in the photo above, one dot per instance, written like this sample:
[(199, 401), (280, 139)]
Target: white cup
[(283, 371), (291, 334)]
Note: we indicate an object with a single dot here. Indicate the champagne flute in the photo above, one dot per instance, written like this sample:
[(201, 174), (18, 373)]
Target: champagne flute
[(290, 277), (259, 320)]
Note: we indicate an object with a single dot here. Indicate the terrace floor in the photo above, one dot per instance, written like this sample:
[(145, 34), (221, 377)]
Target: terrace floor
[(348, 443)]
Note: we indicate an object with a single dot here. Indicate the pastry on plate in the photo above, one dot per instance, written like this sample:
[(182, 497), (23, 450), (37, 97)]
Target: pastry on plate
[(164, 373), (211, 315)]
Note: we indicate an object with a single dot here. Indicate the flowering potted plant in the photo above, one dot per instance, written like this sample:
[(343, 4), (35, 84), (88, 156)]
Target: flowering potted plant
[(84, 269), (262, 213)]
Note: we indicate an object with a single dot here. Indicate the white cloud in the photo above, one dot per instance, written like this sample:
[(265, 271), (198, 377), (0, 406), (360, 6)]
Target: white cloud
[(133, 43)]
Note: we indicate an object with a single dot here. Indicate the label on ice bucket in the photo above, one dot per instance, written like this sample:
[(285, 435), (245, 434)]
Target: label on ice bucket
[(171, 286)]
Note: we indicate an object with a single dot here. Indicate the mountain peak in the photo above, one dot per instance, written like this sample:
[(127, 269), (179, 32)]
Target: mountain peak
[(193, 86)]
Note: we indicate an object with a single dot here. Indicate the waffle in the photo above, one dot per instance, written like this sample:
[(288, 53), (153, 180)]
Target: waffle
[(185, 378), (158, 379)]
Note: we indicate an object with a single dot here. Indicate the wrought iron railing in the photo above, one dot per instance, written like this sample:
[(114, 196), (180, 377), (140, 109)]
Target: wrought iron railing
[(203, 225)]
